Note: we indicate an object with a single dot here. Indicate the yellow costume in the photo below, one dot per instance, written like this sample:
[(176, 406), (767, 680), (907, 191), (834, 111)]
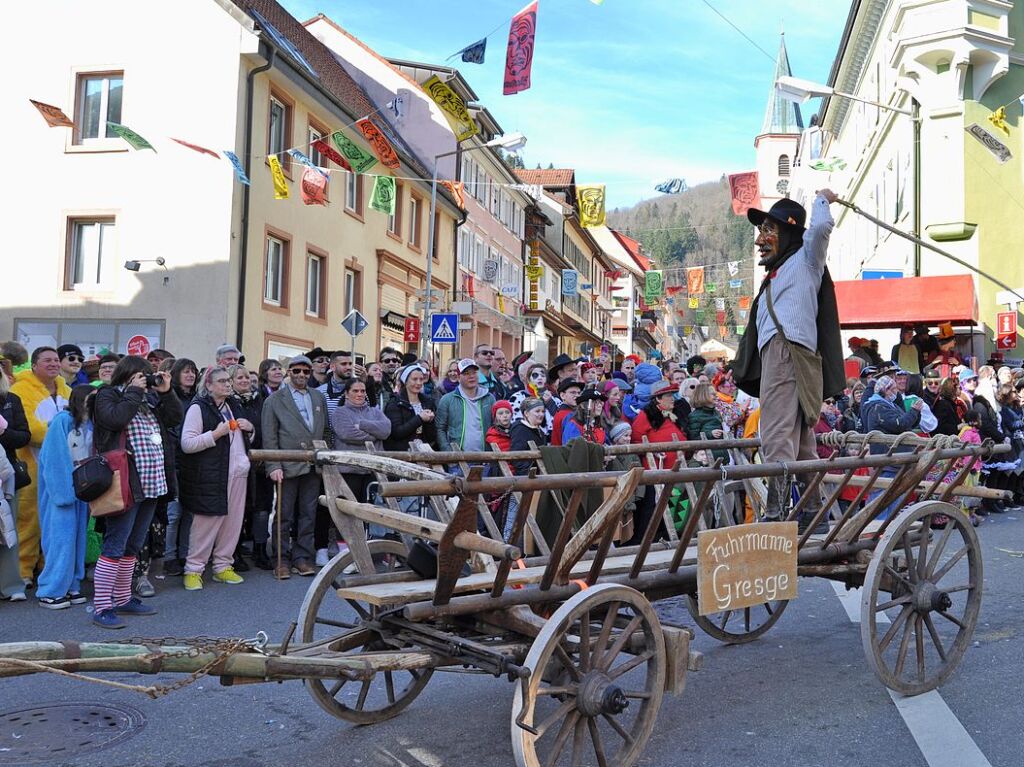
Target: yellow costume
[(40, 408)]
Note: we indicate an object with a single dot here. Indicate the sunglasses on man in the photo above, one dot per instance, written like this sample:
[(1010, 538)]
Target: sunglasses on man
[(391, 361), (74, 358), (300, 371)]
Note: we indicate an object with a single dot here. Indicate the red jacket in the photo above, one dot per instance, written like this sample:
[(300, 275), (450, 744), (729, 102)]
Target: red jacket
[(642, 428), (556, 425), (496, 436)]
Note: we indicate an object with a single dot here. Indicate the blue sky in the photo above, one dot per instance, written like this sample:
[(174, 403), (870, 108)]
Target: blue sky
[(628, 93)]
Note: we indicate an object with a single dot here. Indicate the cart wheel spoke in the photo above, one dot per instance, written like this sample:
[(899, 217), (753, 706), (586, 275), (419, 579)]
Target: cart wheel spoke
[(614, 722), (892, 603), (909, 554), (939, 548), (595, 737), (336, 687), (919, 647), (563, 736), (363, 691), (336, 624), (901, 657), (768, 608), (362, 611), (904, 614), (579, 730), (725, 619), (941, 572), (620, 642), (899, 577), (935, 638), (556, 716), (955, 589), (556, 690), (585, 642), (606, 629), (566, 661), (631, 664), (389, 684), (746, 619), (638, 694), (951, 618), (922, 549)]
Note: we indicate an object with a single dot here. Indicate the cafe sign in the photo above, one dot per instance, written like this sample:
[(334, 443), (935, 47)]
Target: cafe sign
[(746, 565)]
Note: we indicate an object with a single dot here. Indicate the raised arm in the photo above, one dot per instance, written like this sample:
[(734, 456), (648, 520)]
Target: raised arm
[(818, 232)]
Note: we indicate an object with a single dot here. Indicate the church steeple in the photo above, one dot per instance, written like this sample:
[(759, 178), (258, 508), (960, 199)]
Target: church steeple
[(781, 116)]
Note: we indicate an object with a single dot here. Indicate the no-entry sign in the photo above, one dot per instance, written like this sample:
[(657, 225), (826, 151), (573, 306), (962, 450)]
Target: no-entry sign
[(138, 346)]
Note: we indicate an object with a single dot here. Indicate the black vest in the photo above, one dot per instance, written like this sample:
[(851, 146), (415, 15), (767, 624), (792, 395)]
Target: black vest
[(203, 476)]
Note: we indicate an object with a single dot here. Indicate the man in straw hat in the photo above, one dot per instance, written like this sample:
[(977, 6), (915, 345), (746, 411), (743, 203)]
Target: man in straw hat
[(791, 355)]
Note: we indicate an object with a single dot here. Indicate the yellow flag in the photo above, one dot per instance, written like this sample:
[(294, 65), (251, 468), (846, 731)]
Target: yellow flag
[(501, 303), (280, 185), (998, 119), (454, 108), (590, 200), (694, 302)]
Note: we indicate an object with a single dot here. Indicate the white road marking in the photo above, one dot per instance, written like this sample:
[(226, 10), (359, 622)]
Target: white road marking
[(943, 740)]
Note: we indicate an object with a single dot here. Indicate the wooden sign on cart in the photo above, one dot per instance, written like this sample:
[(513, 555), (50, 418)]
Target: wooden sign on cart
[(746, 565)]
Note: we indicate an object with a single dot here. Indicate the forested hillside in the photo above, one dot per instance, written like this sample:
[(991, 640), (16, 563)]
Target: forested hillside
[(697, 228)]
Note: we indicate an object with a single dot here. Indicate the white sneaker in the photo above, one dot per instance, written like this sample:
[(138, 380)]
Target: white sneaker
[(321, 557)]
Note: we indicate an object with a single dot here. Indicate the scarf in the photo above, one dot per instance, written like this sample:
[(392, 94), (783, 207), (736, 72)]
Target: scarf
[(790, 241)]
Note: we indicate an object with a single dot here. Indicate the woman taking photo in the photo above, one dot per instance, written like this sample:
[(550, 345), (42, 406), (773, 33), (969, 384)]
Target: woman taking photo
[(131, 414), (355, 423), (63, 519), (411, 412), (214, 471)]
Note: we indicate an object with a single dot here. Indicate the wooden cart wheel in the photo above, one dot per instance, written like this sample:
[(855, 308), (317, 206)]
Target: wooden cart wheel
[(737, 626), (597, 679), (933, 578), (340, 623)]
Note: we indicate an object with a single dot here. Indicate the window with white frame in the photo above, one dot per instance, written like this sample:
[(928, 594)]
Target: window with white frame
[(274, 271), (352, 201), (479, 249), (351, 285), (98, 101), (466, 249), (92, 253), (315, 134), (314, 284), (415, 223)]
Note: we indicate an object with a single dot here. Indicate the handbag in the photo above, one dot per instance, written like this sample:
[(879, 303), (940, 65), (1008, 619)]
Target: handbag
[(807, 366), (118, 497), (92, 478), (21, 476)]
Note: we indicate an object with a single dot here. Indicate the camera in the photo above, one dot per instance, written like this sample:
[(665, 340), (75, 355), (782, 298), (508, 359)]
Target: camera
[(152, 380)]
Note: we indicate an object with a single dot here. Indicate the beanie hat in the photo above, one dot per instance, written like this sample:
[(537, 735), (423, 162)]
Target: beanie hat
[(618, 430), (502, 403)]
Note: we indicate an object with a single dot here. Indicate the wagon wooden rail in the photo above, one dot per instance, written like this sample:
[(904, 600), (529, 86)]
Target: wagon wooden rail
[(568, 617)]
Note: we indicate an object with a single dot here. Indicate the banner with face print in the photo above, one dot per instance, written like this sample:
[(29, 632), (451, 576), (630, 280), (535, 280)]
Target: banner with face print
[(359, 160), (454, 108), (54, 116), (458, 190), (590, 201), (379, 143), (383, 197), (277, 173), (654, 287), (325, 150), (313, 187), (746, 192), (519, 56), (695, 280)]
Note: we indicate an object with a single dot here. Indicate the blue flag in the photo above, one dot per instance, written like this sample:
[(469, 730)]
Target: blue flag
[(672, 186), (296, 154), (474, 54), (239, 168)]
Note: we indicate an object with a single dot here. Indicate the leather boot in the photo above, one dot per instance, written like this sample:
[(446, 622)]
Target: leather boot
[(778, 499)]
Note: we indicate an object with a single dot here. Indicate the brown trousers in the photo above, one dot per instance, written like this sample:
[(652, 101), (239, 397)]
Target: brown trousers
[(784, 435)]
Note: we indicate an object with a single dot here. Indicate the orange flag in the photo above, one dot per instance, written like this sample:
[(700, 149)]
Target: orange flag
[(695, 280), (379, 143), (744, 302), (54, 116), (746, 192), (458, 190)]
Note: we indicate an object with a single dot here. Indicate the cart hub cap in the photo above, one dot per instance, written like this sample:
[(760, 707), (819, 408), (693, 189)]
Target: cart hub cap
[(928, 598), (598, 695)]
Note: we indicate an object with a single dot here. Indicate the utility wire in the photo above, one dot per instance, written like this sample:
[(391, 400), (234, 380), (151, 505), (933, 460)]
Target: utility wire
[(744, 34)]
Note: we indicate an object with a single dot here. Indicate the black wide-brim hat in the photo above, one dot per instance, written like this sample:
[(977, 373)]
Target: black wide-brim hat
[(785, 212), (560, 362)]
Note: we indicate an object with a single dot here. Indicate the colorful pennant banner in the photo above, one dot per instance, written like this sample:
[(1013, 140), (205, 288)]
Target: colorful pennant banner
[(695, 280), (379, 143), (694, 302), (313, 187), (458, 190), (383, 197), (302, 158), (327, 151), (744, 302), (280, 184), (475, 53), (454, 108), (134, 139), (239, 168), (720, 303), (672, 186), (54, 116), (734, 268), (746, 192), (519, 56), (359, 159), (735, 284), (590, 201), (654, 287), (711, 287), (197, 148)]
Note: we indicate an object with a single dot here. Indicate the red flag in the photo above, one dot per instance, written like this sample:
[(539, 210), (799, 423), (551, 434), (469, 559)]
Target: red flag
[(327, 151), (746, 192), (54, 116), (314, 187), (720, 316), (519, 57), (197, 148), (379, 143)]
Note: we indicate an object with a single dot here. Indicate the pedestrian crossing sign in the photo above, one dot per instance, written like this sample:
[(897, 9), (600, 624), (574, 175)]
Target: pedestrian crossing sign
[(444, 328)]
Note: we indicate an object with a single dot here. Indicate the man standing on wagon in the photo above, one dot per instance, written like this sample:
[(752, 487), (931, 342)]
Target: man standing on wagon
[(791, 354)]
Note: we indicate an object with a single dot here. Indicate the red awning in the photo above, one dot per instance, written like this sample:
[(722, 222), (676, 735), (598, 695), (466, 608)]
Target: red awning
[(907, 301)]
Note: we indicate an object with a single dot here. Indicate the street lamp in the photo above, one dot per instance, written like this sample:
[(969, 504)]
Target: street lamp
[(510, 142), (801, 91)]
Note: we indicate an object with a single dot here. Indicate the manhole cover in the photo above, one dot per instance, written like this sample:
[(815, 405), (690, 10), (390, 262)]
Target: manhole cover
[(63, 730)]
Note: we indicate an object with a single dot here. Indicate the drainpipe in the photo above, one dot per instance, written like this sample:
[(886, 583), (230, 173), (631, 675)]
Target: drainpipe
[(247, 161), (916, 122)]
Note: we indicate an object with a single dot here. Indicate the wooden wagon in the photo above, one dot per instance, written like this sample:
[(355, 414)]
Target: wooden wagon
[(569, 620)]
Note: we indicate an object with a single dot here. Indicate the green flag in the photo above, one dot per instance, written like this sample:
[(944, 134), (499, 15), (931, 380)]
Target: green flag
[(829, 165), (360, 160), (654, 287), (383, 197), (133, 138)]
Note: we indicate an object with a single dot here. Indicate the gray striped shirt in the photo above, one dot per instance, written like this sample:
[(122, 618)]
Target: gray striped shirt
[(795, 285)]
